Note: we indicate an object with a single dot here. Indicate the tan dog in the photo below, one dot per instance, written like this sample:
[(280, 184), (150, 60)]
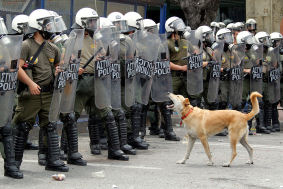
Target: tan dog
[(202, 123)]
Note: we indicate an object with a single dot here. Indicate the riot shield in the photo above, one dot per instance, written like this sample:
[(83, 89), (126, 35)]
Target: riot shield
[(273, 86), (115, 72), (162, 79), (195, 70), (61, 78), (102, 71), (215, 68), (129, 70), (256, 57), (236, 74), (147, 44), (10, 50), (69, 93)]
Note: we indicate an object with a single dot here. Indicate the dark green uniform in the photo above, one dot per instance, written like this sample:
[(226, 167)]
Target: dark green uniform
[(42, 73), (177, 53)]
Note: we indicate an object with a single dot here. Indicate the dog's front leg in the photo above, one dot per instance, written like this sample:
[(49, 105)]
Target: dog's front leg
[(207, 150), (191, 142)]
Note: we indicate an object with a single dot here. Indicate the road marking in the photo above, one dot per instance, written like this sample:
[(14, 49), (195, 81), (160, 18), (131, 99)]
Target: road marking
[(110, 165), (261, 146)]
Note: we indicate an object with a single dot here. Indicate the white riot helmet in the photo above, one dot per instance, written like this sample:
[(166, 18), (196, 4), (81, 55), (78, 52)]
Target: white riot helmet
[(105, 23), (276, 39), (230, 26), (119, 21), (213, 24), (221, 25), (174, 24), (42, 20), (239, 26), (204, 33), (150, 26), (134, 21), (20, 24), (263, 38), (251, 24), (3, 29), (224, 35), (245, 37), (87, 18), (187, 32)]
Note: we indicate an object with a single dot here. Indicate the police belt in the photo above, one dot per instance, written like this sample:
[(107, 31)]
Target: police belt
[(178, 73), (46, 88), (86, 75)]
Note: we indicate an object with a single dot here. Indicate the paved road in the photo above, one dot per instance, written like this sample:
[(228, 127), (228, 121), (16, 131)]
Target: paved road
[(156, 167)]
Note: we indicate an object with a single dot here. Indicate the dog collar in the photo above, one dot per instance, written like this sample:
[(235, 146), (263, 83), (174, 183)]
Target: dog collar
[(185, 116)]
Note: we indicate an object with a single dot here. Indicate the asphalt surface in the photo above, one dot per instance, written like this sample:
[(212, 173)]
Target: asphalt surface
[(156, 168)]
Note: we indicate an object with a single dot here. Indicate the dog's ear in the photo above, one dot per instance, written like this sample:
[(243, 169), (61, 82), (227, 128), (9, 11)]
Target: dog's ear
[(186, 102)]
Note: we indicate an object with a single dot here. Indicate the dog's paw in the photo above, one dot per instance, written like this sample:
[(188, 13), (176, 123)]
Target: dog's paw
[(181, 161), (210, 163), (226, 165), (250, 162)]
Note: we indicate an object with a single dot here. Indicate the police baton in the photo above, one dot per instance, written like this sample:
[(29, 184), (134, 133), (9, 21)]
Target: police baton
[(91, 58)]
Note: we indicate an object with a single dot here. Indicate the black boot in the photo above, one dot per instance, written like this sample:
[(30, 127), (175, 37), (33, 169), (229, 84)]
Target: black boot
[(102, 135), (169, 133), (248, 108), (53, 157), (195, 102), (93, 129), (64, 143), (30, 146), (143, 121), (154, 124), (20, 137), (123, 125), (275, 120), (213, 106), (74, 157), (222, 105), (114, 151), (161, 131), (10, 167), (268, 116), (134, 139), (260, 125), (42, 150)]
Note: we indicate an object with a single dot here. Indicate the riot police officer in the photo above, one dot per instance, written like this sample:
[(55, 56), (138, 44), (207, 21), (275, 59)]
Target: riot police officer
[(87, 91), (36, 97), (7, 94), (251, 25)]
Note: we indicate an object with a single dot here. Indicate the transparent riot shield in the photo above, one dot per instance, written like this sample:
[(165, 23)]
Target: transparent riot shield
[(128, 51), (147, 44), (256, 56), (273, 87), (69, 93), (215, 68), (195, 70), (162, 79), (10, 50), (61, 78), (115, 72), (236, 74), (102, 71)]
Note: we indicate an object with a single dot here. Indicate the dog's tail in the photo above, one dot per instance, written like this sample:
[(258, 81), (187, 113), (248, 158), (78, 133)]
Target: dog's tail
[(255, 106)]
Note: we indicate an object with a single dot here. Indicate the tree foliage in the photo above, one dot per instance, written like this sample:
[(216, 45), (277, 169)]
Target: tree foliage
[(199, 12)]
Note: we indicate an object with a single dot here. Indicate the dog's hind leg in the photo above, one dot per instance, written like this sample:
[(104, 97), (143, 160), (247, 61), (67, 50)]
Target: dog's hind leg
[(244, 142), (191, 143), (207, 150)]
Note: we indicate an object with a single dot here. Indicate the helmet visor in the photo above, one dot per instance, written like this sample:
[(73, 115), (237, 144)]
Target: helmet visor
[(153, 29), (208, 36), (178, 25), (47, 24), (251, 26), (3, 29), (60, 24), (23, 27), (265, 41), (121, 26), (228, 38), (91, 23)]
